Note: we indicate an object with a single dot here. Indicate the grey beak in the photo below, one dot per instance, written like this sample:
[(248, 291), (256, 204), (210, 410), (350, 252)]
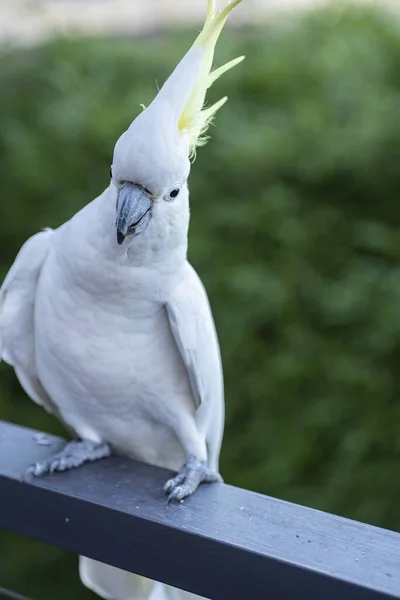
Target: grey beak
[(133, 211)]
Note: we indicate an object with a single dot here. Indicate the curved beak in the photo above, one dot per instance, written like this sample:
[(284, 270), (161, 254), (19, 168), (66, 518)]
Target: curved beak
[(133, 211)]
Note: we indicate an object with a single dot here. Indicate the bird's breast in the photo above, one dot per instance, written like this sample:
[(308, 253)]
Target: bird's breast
[(112, 367)]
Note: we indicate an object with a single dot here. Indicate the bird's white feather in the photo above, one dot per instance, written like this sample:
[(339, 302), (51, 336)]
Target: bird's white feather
[(193, 328), (17, 303), (119, 340)]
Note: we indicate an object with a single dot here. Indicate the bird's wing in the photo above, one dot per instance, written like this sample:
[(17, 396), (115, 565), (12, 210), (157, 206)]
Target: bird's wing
[(17, 302), (193, 328)]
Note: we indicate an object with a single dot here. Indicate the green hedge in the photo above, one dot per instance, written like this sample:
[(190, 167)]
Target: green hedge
[(295, 222)]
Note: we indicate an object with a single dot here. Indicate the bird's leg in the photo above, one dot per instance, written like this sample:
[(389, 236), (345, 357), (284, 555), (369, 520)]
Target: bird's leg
[(188, 479), (73, 455), (195, 470)]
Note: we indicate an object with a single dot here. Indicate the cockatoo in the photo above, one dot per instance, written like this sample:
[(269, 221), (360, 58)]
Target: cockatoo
[(106, 323)]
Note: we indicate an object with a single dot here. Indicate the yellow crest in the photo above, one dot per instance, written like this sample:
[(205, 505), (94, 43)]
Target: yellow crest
[(195, 119)]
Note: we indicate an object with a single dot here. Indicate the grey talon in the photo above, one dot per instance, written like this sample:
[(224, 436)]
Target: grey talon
[(74, 454), (190, 476)]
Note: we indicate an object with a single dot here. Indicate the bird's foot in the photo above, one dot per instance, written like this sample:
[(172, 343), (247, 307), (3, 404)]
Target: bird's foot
[(74, 454), (188, 479)]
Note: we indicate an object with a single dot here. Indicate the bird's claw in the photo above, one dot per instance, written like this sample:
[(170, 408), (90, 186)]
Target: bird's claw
[(188, 480), (73, 455)]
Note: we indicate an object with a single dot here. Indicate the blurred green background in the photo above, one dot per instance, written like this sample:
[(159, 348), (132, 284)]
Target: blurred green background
[(295, 233)]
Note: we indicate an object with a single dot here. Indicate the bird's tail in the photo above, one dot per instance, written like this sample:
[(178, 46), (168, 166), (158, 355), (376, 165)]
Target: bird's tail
[(111, 583)]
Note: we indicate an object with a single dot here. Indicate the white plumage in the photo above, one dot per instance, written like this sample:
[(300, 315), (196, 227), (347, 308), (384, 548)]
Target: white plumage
[(91, 335), (109, 327)]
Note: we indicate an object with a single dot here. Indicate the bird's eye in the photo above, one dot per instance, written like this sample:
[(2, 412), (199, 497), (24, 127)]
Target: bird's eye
[(174, 193)]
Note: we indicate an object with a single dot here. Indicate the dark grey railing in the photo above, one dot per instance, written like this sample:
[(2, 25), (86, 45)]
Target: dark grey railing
[(4, 593), (223, 543)]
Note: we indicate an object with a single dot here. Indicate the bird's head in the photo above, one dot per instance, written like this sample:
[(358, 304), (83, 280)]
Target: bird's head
[(151, 160)]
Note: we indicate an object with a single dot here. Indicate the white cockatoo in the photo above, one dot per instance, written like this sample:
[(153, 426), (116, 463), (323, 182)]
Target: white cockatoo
[(108, 326)]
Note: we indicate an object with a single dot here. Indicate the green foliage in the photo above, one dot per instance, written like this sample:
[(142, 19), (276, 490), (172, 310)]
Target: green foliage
[(294, 232)]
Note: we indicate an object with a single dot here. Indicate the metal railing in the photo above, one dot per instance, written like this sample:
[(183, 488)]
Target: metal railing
[(4, 593), (223, 543)]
